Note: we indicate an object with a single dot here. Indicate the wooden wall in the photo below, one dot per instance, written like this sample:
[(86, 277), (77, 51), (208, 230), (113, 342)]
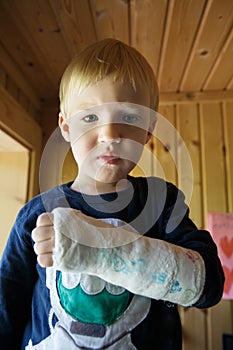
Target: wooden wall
[(207, 130)]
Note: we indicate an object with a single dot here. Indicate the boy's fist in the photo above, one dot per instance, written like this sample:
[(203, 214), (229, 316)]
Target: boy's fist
[(44, 238)]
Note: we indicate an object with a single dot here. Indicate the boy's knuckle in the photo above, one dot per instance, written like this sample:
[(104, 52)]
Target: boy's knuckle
[(45, 260), (36, 249), (45, 219), (33, 234)]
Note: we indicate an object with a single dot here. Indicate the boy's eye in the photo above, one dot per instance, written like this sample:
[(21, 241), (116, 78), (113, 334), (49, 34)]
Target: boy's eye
[(90, 118), (131, 118)]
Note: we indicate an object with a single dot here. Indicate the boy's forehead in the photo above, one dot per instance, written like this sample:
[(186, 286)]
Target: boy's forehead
[(82, 106), (108, 90)]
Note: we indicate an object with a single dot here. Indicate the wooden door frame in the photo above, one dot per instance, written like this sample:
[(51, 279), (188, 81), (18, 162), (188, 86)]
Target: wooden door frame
[(17, 123)]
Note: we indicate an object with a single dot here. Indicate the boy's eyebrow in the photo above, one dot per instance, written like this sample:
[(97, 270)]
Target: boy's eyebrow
[(121, 107), (90, 106)]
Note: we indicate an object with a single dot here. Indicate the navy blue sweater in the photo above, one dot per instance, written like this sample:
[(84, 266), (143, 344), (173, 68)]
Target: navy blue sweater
[(154, 208)]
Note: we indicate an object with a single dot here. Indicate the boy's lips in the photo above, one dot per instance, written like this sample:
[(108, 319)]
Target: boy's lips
[(109, 158)]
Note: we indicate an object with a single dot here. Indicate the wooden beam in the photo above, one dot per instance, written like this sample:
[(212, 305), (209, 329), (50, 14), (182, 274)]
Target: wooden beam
[(196, 96), (16, 121)]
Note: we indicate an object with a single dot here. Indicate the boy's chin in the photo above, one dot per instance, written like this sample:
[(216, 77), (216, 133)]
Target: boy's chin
[(112, 174)]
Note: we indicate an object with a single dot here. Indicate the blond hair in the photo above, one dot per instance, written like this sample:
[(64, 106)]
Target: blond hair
[(100, 59)]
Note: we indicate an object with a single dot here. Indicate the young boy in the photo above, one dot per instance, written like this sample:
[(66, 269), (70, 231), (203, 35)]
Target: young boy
[(102, 262)]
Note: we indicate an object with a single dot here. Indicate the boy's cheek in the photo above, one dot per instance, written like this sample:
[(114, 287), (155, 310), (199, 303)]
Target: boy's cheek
[(81, 152)]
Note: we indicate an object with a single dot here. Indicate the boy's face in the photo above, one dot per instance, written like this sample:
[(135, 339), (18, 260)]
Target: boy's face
[(108, 125)]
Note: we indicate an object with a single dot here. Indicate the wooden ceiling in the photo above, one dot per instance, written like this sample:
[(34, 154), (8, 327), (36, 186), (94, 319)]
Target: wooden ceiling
[(189, 43)]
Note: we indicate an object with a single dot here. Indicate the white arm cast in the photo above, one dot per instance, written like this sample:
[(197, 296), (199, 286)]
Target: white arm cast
[(143, 265)]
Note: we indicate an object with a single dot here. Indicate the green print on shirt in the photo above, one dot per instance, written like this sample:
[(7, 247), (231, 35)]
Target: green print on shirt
[(102, 308)]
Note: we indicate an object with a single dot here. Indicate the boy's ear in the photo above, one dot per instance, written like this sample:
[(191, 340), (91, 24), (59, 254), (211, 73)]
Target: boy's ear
[(64, 127)]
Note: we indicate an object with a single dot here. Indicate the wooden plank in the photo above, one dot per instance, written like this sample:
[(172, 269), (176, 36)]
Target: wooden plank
[(212, 139), (26, 104), (45, 34), (18, 55), (111, 19), (15, 118), (142, 25), (3, 76), (12, 88), (76, 23), (197, 96), (219, 77), (230, 84), (12, 70), (213, 30), (228, 136), (188, 127), (193, 328), (160, 156), (16, 32), (165, 144), (181, 27), (145, 166), (219, 322), (193, 320), (49, 119), (214, 180)]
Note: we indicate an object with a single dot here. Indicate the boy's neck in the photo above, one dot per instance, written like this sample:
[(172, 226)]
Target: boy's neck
[(97, 188)]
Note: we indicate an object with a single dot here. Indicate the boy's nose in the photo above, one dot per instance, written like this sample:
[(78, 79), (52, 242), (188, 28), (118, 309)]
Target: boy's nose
[(110, 134)]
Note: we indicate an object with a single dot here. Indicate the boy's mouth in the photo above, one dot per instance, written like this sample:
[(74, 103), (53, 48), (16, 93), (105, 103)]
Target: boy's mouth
[(109, 158)]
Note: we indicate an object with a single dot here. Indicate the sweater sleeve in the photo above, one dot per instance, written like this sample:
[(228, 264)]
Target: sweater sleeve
[(180, 230), (17, 278)]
